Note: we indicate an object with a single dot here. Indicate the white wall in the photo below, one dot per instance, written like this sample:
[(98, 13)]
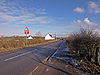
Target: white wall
[(48, 37)]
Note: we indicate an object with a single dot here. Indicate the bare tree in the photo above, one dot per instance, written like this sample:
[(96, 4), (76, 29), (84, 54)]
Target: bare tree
[(38, 34)]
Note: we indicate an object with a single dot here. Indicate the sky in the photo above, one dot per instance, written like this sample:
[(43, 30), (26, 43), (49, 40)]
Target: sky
[(48, 16)]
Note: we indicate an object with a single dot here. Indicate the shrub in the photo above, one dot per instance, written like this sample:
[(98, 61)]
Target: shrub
[(84, 44)]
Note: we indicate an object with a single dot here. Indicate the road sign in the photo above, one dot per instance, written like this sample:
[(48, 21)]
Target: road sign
[(26, 31)]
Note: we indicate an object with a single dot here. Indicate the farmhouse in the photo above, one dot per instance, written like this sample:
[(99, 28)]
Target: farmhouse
[(30, 37), (49, 37)]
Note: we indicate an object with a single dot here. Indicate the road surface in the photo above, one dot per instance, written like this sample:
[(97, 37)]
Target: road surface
[(27, 60)]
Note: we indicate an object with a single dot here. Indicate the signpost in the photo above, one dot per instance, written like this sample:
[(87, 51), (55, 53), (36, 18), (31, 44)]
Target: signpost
[(26, 31)]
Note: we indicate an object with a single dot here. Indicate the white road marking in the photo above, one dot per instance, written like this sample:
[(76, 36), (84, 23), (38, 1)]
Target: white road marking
[(17, 56)]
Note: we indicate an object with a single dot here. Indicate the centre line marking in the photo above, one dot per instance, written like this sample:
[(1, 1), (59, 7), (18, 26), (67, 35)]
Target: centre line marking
[(17, 56)]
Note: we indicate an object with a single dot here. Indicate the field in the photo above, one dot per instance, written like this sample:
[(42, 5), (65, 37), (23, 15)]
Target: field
[(15, 43)]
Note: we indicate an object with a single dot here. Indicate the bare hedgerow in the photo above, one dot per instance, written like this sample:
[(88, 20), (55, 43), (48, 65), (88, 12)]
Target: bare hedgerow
[(84, 43)]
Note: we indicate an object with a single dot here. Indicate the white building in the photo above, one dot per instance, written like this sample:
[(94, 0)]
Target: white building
[(30, 37), (49, 37)]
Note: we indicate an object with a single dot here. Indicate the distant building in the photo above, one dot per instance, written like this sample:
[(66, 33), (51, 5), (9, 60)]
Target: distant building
[(30, 37), (49, 37)]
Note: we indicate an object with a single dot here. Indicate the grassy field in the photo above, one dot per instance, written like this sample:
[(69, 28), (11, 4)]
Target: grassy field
[(15, 43)]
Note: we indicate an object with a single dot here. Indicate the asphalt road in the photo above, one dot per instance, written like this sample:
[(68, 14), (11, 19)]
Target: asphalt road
[(25, 61)]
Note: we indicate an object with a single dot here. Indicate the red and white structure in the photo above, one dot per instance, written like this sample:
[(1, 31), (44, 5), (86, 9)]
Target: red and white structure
[(26, 31)]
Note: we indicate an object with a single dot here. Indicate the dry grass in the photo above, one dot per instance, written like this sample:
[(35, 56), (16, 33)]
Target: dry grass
[(14, 43)]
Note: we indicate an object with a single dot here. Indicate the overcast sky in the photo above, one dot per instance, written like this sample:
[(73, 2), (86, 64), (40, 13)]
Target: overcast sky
[(48, 16)]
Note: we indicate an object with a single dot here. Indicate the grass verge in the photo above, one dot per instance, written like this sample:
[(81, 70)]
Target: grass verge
[(17, 43)]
